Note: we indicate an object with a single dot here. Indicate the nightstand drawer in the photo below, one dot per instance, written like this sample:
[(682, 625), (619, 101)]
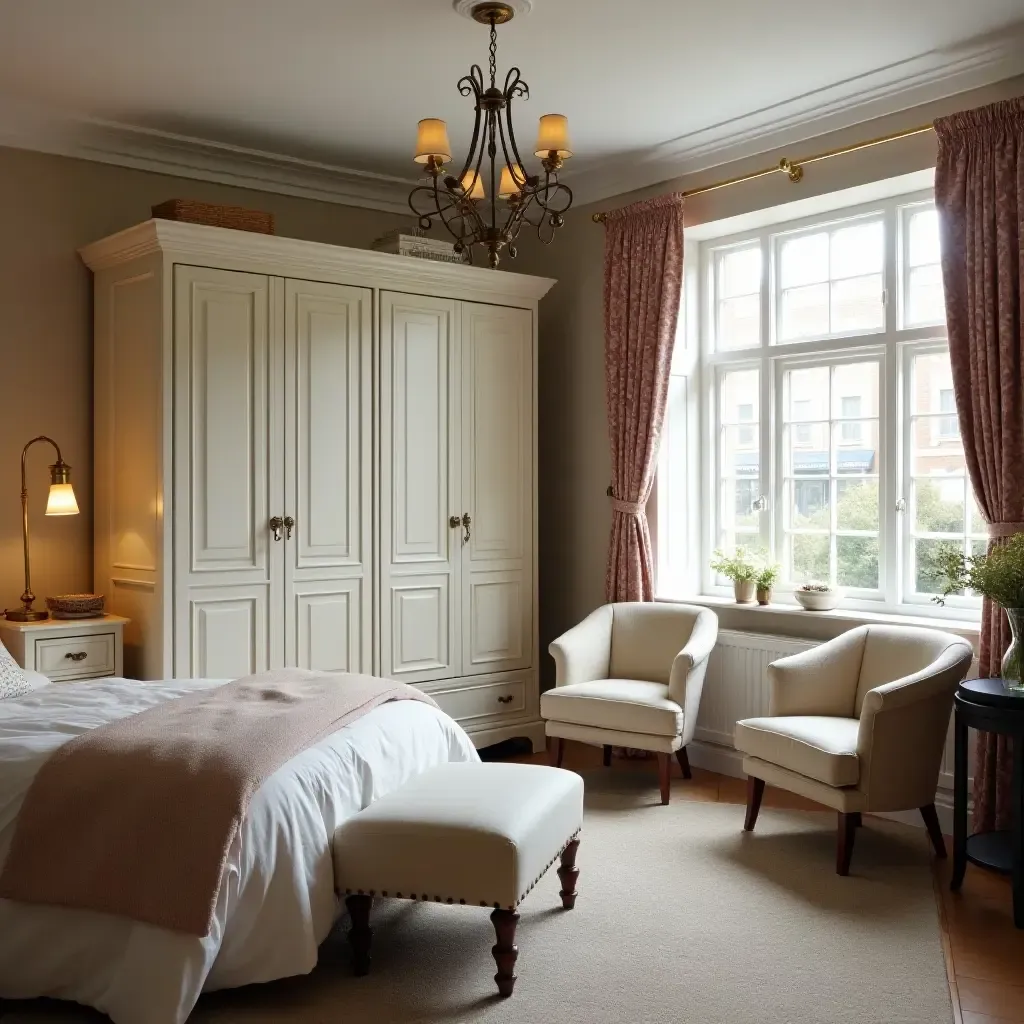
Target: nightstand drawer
[(70, 656)]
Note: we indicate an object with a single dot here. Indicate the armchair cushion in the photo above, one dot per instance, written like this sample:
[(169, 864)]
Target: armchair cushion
[(817, 746), (646, 637), (626, 705)]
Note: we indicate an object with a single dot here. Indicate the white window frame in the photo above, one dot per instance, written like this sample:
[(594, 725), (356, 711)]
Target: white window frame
[(705, 364)]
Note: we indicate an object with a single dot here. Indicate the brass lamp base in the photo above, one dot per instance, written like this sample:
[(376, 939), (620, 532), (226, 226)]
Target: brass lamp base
[(27, 615)]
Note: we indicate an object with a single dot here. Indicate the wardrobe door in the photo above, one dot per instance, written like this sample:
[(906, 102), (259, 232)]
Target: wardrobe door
[(227, 473), (497, 488), (327, 508), (419, 545)]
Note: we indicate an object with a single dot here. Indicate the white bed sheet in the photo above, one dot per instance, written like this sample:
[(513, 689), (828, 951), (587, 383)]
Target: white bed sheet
[(277, 900)]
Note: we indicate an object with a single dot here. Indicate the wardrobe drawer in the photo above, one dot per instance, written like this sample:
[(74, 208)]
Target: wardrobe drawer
[(70, 656), (484, 701)]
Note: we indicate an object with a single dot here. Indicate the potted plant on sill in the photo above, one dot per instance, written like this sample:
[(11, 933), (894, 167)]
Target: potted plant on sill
[(743, 568), (814, 596), (766, 580), (999, 576)]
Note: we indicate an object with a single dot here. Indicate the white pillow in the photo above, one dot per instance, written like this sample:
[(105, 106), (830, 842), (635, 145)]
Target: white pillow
[(13, 681)]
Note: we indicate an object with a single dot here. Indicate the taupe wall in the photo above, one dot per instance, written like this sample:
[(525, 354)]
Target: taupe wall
[(574, 470), (49, 206)]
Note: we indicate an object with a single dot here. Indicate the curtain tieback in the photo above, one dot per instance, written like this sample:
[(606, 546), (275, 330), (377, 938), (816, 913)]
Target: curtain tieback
[(1005, 529), (629, 508)]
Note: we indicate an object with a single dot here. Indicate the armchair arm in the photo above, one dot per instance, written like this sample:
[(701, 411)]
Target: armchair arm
[(686, 681), (902, 733), (821, 681), (582, 653)]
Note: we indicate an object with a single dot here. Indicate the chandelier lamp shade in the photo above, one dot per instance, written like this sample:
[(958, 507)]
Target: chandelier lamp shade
[(488, 202)]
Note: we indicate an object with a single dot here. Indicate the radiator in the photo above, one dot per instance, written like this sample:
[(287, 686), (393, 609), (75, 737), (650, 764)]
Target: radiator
[(736, 687)]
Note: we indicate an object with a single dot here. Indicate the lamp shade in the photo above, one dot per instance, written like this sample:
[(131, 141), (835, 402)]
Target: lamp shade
[(432, 141), (509, 186), (62, 501), (553, 136), (473, 183)]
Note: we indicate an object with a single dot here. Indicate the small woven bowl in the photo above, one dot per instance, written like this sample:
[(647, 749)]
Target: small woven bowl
[(75, 606)]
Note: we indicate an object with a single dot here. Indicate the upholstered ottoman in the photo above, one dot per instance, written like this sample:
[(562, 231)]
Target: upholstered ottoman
[(475, 834)]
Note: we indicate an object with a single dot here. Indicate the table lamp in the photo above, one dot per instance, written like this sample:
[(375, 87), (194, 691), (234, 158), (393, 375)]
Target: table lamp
[(60, 503)]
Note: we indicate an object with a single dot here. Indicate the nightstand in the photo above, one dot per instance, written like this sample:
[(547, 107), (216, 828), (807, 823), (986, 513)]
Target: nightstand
[(67, 650)]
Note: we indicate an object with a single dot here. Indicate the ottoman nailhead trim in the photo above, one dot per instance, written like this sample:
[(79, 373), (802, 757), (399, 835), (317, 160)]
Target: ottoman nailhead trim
[(483, 903)]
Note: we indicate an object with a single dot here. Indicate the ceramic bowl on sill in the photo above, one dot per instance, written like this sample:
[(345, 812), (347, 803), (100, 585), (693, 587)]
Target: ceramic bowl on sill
[(818, 600)]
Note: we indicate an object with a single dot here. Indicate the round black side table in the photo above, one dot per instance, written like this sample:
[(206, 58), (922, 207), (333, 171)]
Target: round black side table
[(986, 704)]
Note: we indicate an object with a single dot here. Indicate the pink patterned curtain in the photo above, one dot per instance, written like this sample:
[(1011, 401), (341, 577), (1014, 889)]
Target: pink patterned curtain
[(979, 191), (643, 273)]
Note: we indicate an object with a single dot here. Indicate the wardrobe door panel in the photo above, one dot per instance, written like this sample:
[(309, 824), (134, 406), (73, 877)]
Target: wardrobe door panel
[(328, 482), (418, 480), (497, 487), (228, 476)]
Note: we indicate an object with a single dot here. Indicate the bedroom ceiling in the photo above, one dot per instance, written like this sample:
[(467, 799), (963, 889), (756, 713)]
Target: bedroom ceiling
[(650, 88)]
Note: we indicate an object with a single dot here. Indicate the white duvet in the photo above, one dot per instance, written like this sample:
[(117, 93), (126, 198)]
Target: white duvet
[(277, 900)]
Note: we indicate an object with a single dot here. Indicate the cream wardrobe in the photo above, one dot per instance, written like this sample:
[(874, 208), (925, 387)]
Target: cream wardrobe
[(318, 456)]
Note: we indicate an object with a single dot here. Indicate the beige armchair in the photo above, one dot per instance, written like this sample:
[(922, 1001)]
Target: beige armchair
[(631, 675), (858, 724)]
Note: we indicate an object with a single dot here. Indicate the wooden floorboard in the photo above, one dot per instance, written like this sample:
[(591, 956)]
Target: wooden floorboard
[(983, 951)]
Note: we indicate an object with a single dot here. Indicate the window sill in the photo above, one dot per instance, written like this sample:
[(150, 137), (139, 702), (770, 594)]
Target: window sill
[(792, 620)]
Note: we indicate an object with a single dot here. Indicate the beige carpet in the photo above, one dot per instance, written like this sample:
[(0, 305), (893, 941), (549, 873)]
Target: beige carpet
[(681, 918)]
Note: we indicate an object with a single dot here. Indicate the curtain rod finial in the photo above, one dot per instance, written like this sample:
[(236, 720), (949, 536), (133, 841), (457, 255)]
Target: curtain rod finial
[(598, 218)]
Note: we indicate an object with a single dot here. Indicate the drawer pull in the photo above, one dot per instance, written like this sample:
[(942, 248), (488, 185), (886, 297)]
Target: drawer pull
[(77, 655), (505, 700)]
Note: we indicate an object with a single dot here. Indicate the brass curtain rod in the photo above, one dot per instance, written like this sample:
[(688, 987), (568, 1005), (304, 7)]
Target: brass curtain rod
[(794, 169)]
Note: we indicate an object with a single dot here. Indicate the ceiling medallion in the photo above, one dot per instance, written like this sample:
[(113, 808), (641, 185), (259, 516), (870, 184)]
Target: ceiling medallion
[(492, 197)]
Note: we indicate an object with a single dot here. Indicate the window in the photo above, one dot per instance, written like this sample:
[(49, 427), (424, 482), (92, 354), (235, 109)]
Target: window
[(949, 428), (821, 422)]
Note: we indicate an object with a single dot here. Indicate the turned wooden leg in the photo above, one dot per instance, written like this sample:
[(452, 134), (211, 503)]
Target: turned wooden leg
[(665, 776), (505, 949), (755, 790), (361, 933), (556, 750), (931, 822), (847, 832), (607, 755), (567, 874), (684, 762)]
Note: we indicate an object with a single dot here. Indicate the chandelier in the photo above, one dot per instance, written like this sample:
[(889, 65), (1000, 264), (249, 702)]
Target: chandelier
[(493, 197)]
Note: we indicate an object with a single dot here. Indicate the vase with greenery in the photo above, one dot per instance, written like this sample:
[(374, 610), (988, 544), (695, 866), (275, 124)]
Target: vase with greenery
[(766, 580), (999, 576), (743, 568)]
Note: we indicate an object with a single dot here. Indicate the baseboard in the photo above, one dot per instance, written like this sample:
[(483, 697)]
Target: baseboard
[(728, 761)]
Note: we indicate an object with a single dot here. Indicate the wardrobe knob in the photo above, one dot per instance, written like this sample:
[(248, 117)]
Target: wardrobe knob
[(276, 523)]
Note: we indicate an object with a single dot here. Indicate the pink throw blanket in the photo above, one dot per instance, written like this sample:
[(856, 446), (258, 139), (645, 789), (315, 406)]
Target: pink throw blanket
[(135, 818)]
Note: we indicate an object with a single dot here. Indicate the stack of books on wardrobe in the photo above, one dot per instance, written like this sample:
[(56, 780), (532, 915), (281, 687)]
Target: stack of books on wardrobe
[(414, 242)]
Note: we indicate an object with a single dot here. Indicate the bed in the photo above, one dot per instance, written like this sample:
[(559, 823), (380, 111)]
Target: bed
[(277, 901)]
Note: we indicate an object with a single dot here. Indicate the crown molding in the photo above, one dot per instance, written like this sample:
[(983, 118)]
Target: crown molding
[(924, 79), (197, 243), (29, 126)]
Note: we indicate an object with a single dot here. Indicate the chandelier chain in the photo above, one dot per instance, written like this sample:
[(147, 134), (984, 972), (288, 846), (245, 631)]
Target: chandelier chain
[(493, 50)]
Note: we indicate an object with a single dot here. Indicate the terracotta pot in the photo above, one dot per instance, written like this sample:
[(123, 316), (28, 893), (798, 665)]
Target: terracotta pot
[(764, 595), (744, 591)]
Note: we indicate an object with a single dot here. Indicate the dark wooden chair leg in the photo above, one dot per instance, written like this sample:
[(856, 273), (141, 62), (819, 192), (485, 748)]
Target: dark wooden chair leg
[(684, 762), (857, 822), (567, 875), (505, 949), (361, 933), (665, 776), (844, 843), (755, 790), (931, 822), (607, 755), (556, 750)]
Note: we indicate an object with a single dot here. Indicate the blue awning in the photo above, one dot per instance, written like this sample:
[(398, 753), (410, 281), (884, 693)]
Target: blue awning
[(848, 460)]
